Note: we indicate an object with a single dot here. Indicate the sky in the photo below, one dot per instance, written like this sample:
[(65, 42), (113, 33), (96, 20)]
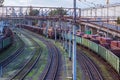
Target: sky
[(57, 3)]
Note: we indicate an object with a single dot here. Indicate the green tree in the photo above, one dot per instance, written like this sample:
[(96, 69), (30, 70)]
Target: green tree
[(33, 12), (58, 11), (118, 20)]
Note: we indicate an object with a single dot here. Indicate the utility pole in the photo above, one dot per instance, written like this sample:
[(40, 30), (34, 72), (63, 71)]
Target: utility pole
[(47, 26), (55, 25), (60, 15), (107, 2), (65, 36), (74, 43), (70, 39)]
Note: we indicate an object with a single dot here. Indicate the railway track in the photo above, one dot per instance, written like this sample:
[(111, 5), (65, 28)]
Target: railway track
[(112, 73), (51, 69), (30, 64), (90, 70), (10, 58)]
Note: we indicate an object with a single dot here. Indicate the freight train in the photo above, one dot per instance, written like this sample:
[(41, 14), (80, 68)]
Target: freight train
[(100, 45), (42, 30), (6, 39)]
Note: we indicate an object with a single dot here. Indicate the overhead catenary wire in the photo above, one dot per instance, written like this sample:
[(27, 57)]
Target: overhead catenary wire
[(93, 5), (102, 2)]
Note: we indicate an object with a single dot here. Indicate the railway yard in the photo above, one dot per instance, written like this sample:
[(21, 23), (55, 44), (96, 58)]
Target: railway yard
[(36, 57), (60, 43)]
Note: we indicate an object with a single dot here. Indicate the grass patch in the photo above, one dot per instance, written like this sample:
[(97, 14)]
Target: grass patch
[(39, 67), (67, 71), (20, 60)]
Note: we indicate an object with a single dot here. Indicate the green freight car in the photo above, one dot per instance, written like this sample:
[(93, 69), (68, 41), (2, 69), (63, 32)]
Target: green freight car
[(106, 54), (85, 42), (6, 42), (113, 60), (102, 51), (93, 46)]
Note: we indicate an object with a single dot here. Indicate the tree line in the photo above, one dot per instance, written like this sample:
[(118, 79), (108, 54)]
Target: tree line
[(56, 12)]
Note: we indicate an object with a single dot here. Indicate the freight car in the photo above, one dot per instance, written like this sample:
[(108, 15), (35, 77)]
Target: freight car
[(41, 30), (6, 39), (5, 42), (107, 54)]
